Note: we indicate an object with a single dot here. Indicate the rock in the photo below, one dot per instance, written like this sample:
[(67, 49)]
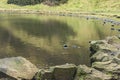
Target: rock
[(114, 40), (3, 76), (100, 56), (105, 55), (108, 66), (104, 50), (84, 69), (96, 45), (116, 60), (105, 46), (44, 75), (17, 68), (64, 72), (61, 72), (87, 73), (111, 43)]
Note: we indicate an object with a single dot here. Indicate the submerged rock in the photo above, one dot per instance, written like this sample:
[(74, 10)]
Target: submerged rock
[(17, 68)]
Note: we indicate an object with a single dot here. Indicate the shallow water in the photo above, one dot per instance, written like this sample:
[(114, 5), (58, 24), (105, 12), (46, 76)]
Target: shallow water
[(51, 40)]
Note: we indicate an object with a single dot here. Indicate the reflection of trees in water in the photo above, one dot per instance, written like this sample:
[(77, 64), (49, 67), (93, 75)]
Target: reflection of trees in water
[(4, 36), (36, 55), (102, 31), (47, 29), (44, 29), (38, 29)]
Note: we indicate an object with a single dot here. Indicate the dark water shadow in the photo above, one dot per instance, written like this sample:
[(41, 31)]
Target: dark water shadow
[(44, 29), (99, 30), (34, 54)]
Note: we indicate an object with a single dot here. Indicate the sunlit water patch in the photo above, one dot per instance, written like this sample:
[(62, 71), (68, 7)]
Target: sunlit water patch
[(51, 40)]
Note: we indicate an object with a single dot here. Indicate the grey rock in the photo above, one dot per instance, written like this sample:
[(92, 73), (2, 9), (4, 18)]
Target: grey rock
[(100, 56), (44, 75), (114, 40), (4, 76), (108, 44), (108, 66), (18, 68), (106, 55), (87, 73), (64, 72), (60, 72)]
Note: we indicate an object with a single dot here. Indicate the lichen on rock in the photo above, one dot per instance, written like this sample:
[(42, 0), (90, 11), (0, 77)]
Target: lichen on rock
[(106, 57), (17, 68)]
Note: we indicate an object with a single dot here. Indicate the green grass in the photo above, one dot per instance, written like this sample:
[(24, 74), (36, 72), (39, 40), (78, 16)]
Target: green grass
[(106, 6)]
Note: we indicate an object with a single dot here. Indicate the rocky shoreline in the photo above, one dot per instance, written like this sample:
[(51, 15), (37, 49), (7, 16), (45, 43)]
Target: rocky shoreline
[(105, 65)]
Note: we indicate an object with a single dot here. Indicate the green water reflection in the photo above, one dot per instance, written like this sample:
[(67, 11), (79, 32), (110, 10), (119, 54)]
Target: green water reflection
[(40, 39)]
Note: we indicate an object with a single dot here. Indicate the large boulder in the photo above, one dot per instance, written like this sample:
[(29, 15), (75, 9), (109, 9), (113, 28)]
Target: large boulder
[(17, 68), (64, 72), (87, 73)]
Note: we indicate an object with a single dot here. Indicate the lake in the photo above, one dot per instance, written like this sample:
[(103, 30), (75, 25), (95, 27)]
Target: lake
[(51, 40)]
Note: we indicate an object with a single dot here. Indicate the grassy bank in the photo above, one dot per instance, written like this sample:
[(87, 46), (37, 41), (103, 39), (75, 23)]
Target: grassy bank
[(72, 5), (94, 6)]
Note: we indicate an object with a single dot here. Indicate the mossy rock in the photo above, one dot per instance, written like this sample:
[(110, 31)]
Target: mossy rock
[(64, 72), (87, 73)]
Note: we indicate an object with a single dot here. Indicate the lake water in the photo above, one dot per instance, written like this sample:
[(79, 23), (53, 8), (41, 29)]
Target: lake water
[(51, 40)]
